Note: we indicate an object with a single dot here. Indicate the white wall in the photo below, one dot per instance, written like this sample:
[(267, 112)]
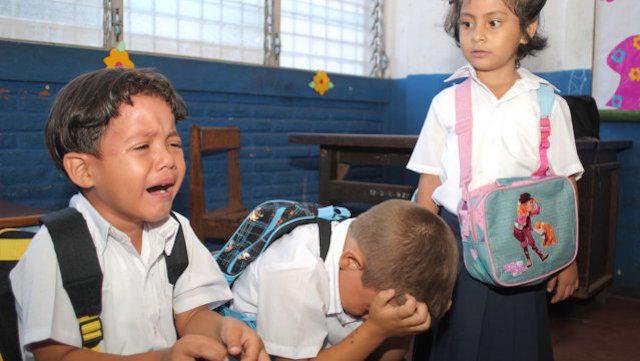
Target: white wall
[(417, 44)]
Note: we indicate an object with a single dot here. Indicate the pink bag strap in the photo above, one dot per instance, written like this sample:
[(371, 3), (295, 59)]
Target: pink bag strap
[(546, 98), (464, 130), (464, 126)]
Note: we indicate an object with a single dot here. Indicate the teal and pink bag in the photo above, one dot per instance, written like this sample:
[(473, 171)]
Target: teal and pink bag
[(515, 231)]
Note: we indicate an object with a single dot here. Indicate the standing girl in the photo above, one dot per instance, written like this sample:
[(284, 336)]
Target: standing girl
[(486, 322)]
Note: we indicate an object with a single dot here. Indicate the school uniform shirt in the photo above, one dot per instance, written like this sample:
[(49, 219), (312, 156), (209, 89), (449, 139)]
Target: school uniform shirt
[(295, 295), (505, 140), (138, 302)]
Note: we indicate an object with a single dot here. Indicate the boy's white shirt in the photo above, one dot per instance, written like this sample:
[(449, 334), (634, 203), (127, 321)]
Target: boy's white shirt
[(138, 302), (506, 137), (296, 295)]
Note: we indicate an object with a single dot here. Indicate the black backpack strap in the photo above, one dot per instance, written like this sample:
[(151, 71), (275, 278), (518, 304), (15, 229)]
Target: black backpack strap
[(13, 244), (80, 270), (178, 260), (324, 227)]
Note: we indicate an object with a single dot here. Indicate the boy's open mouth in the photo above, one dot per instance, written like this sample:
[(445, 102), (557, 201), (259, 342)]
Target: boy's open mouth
[(161, 188)]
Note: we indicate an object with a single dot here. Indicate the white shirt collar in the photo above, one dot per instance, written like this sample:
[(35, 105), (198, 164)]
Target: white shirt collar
[(101, 230), (527, 79), (338, 238)]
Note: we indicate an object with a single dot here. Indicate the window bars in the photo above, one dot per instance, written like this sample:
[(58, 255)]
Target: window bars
[(379, 60), (272, 32), (344, 36), (112, 22)]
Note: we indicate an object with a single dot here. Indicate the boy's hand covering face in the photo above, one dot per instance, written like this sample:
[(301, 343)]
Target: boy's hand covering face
[(398, 320), (242, 342)]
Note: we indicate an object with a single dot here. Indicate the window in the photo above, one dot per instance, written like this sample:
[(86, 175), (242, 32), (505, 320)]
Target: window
[(332, 35), (219, 29), (340, 36), (76, 22)]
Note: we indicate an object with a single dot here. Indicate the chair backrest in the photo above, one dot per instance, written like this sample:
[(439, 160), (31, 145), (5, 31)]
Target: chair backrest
[(212, 140)]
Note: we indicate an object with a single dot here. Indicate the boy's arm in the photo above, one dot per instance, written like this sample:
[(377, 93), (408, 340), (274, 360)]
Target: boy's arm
[(203, 332), (393, 349), (187, 348), (385, 322)]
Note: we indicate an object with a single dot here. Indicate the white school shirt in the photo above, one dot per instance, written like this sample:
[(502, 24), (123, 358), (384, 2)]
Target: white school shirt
[(506, 137), (296, 295), (137, 300)]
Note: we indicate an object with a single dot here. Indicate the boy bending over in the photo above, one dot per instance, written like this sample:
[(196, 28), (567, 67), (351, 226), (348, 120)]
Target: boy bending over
[(113, 132), (386, 274)]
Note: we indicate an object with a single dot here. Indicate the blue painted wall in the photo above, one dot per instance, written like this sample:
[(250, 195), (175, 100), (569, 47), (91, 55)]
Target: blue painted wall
[(413, 94), (628, 228), (265, 103)]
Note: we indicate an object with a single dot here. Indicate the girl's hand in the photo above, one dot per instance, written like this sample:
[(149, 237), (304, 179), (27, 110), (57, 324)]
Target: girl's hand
[(564, 283), (242, 342), (392, 320)]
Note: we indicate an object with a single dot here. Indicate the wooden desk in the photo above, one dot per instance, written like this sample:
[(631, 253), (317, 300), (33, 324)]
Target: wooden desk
[(339, 151), (15, 215), (598, 189)]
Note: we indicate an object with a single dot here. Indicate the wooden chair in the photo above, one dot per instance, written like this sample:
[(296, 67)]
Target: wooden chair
[(220, 223)]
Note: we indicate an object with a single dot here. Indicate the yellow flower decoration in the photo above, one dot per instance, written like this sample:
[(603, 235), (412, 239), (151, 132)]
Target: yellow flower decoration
[(636, 42), (634, 74), (321, 82), (118, 59)]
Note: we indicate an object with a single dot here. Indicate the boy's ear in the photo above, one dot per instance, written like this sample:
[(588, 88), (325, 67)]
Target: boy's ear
[(78, 168), (351, 260), (531, 31)]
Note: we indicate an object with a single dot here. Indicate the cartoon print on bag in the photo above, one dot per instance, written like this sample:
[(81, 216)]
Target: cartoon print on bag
[(522, 228), (514, 268), (545, 230), (256, 214)]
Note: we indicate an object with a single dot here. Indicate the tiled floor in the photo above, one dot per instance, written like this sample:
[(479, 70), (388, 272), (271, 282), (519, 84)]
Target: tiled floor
[(593, 331)]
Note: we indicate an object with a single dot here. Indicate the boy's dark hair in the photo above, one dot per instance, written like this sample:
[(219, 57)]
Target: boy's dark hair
[(409, 249), (83, 108), (527, 12)]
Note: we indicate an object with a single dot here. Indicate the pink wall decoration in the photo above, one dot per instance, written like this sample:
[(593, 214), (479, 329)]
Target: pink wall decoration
[(624, 59)]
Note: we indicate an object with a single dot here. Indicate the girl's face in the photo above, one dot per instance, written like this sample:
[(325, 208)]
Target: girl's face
[(490, 35)]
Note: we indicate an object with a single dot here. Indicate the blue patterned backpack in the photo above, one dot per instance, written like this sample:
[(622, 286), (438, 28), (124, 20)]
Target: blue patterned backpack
[(266, 223)]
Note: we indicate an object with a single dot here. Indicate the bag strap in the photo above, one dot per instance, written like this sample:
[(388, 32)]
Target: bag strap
[(80, 270), (81, 273), (324, 228), (464, 130), (546, 98), (464, 126), (178, 260)]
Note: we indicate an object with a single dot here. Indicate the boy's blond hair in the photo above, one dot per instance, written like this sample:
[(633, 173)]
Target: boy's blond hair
[(409, 249)]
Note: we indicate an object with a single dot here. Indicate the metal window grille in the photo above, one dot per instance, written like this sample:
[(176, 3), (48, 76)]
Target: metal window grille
[(331, 35), (379, 60), (343, 36), (77, 22)]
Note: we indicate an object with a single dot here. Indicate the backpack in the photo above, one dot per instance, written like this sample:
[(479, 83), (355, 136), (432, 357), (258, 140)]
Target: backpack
[(501, 221), (264, 224), (80, 270), (585, 116)]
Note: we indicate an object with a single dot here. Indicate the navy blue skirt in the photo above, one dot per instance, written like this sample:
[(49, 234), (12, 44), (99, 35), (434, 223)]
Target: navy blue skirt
[(488, 323)]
